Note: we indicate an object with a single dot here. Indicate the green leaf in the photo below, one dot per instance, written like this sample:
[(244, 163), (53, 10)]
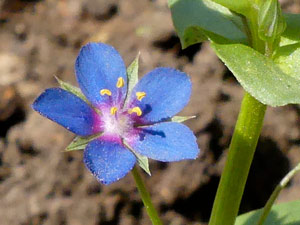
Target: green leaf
[(292, 31), (259, 75), (69, 87), (143, 163), (132, 76), (281, 214), (142, 160), (198, 20), (79, 143), (271, 23), (286, 41), (288, 59), (240, 6), (180, 119)]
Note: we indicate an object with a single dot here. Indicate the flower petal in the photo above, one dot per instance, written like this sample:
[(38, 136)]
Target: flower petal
[(166, 142), (167, 92), (67, 110), (108, 161), (98, 66)]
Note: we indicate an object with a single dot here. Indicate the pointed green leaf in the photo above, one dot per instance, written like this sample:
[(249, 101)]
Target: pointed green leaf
[(142, 160), (288, 59), (239, 6), (132, 76), (143, 163), (259, 75), (199, 20), (180, 119), (286, 41), (79, 143), (281, 214), (69, 87), (271, 23)]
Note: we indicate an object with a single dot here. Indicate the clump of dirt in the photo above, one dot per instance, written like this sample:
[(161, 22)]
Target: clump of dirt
[(39, 184)]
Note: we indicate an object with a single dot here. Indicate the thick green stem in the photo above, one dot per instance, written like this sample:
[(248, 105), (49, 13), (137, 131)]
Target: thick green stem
[(242, 146), (146, 198), (240, 155)]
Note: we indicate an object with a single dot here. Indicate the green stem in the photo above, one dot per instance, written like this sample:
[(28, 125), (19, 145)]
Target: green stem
[(240, 155), (146, 197), (242, 146), (275, 194)]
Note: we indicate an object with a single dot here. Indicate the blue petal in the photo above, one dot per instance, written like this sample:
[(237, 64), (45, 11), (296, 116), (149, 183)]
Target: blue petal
[(108, 161), (167, 92), (168, 141), (67, 110), (98, 66)]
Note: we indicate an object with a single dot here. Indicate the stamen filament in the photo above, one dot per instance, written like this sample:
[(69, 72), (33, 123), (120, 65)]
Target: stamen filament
[(136, 110), (120, 82), (140, 95), (105, 92)]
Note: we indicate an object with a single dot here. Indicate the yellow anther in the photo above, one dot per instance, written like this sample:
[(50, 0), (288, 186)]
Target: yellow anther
[(136, 110), (113, 110), (120, 82), (140, 95), (105, 92)]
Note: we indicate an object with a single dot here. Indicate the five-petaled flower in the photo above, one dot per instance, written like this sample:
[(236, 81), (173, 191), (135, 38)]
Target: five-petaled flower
[(143, 122)]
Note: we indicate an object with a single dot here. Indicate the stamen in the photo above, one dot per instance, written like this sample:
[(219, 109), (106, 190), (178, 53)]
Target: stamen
[(140, 95), (105, 92), (113, 110), (136, 110), (120, 82)]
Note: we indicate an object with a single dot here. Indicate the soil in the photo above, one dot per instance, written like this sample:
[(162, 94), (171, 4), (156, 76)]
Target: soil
[(40, 184)]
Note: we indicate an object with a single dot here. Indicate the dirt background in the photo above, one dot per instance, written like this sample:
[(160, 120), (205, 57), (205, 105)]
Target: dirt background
[(39, 184)]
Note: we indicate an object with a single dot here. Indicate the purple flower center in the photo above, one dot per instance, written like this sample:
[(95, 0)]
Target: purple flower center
[(120, 123), (119, 119)]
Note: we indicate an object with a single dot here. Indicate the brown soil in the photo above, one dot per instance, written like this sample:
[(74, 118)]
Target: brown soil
[(39, 184)]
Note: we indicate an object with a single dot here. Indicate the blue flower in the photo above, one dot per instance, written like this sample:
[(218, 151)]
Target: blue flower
[(143, 122)]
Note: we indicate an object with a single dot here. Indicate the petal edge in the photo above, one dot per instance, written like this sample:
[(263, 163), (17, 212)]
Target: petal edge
[(67, 110), (167, 142), (108, 161), (167, 92), (98, 66)]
